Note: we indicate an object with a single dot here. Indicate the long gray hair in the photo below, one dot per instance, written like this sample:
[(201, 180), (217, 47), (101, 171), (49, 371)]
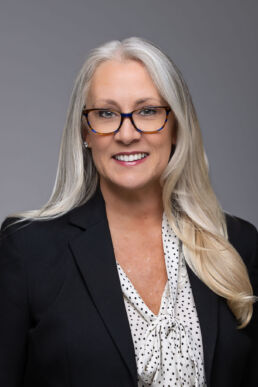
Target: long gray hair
[(189, 200)]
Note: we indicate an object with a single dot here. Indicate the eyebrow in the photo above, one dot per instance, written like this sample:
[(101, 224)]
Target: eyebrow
[(137, 102)]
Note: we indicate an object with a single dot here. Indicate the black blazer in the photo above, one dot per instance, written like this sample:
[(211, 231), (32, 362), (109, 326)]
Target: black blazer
[(63, 321)]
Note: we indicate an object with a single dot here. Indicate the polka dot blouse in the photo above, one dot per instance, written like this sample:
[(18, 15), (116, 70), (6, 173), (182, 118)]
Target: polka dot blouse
[(168, 346)]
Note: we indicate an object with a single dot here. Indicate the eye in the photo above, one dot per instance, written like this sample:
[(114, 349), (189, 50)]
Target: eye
[(106, 114), (148, 111)]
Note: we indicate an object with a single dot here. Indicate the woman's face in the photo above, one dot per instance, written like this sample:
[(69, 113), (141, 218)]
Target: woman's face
[(126, 82)]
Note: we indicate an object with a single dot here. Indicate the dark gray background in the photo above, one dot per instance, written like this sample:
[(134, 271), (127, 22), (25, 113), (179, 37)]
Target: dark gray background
[(44, 43)]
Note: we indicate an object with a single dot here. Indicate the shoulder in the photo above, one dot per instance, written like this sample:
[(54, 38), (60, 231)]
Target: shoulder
[(44, 236), (238, 225), (243, 236), (33, 238)]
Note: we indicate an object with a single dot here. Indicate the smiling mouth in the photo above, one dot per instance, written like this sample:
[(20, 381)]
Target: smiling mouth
[(132, 157)]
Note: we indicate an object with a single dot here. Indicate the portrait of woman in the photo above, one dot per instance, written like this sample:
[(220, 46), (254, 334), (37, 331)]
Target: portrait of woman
[(131, 274)]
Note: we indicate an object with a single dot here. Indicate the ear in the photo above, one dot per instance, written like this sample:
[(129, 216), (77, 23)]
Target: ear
[(85, 132)]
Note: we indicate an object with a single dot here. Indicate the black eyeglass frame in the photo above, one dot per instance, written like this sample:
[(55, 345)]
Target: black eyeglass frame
[(85, 113)]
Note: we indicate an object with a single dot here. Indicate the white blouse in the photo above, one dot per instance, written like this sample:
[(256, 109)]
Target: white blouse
[(168, 347)]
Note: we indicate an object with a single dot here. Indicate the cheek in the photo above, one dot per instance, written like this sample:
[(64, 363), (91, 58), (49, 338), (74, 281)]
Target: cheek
[(165, 145), (99, 152), (98, 161), (96, 155), (165, 151)]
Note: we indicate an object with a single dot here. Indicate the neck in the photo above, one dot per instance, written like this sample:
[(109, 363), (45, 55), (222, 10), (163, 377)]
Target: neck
[(133, 206)]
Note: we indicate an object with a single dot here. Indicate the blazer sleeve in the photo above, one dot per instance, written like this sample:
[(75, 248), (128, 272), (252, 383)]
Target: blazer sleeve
[(244, 237), (14, 313), (251, 376)]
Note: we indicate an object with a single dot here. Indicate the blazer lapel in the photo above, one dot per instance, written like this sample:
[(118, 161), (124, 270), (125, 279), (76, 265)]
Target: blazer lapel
[(206, 303), (94, 255)]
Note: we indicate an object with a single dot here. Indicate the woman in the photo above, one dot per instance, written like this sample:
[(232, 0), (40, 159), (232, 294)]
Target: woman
[(131, 274)]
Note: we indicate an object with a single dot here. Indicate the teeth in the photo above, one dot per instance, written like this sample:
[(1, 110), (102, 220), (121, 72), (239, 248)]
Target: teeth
[(134, 157)]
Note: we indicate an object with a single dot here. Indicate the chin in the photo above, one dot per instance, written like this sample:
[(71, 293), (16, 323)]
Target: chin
[(133, 185)]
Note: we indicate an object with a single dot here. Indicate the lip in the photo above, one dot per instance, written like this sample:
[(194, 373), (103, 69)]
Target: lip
[(130, 163), (129, 153)]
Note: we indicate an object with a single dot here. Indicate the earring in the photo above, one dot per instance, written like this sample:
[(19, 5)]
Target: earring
[(85, 144)]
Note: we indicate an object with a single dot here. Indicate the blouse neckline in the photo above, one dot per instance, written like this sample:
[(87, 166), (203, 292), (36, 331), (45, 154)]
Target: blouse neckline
[(138, 297)]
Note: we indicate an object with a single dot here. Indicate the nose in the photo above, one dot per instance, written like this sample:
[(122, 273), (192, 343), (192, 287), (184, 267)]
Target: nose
[(127, 132)]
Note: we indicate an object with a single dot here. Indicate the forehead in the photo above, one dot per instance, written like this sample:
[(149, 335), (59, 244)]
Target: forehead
[(116, 79)]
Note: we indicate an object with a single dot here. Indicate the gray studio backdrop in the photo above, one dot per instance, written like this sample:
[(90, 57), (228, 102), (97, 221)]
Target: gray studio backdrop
[(44, 43)]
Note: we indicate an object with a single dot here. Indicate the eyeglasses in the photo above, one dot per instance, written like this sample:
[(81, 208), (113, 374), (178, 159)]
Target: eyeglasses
[(148, 119)]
